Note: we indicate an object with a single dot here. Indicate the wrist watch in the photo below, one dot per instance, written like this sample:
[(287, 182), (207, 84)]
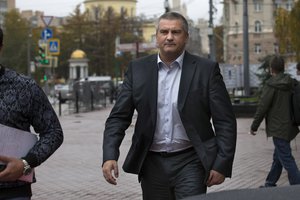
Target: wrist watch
[(27, 169)]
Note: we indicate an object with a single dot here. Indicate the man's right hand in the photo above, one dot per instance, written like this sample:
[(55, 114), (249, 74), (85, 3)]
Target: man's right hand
[(110, 171)]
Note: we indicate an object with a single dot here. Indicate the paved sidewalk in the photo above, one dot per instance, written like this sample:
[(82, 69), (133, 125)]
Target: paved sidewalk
[(74, 170)]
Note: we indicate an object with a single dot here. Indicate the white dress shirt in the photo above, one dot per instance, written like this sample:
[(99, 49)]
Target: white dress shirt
[(170, 135)]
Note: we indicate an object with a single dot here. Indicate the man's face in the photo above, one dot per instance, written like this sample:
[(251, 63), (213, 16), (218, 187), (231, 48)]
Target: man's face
[(171, 38)]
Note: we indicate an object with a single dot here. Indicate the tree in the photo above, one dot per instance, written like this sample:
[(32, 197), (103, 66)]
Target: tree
[(95, 32), (282, 31), (101, 42), (72, 37), (218, 33), (264, 70), (16, 38), (294, 27)]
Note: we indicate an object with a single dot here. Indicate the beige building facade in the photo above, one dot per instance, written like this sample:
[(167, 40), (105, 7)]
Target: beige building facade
[(149, 29), (262, 41), (5, 6), (96, 7)]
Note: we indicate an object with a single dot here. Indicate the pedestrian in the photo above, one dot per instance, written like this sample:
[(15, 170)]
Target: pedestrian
[(175, 150), (23, 104), (274, 107)]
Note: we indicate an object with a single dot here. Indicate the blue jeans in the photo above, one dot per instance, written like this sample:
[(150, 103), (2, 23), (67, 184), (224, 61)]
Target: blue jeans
[(282, 158)]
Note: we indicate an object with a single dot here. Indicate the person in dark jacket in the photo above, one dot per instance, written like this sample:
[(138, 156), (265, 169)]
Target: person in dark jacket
[(23, 104), (185, 134), (274, 106)]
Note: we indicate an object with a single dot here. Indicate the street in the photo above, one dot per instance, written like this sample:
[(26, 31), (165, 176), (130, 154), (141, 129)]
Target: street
[(74, 170)]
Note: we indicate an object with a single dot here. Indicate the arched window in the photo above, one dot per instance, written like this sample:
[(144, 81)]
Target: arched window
[(257, 27)]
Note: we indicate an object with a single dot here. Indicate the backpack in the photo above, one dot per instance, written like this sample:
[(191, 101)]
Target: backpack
[(295, 104)]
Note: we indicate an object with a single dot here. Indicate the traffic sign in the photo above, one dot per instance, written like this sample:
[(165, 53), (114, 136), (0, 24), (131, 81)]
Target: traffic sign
[(47, 19), (46, 34), (54, 46)]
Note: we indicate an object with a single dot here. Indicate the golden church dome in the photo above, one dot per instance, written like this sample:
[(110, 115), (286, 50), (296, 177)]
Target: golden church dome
[(78, 54)]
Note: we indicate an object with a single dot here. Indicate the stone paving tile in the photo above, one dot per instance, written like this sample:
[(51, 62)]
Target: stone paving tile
[(74, 171)]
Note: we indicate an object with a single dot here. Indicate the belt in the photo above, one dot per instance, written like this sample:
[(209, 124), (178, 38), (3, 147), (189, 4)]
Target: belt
[(169, 154)]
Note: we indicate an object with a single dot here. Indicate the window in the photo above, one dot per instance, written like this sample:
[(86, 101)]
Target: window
[(257, 27), (236, 26), (276, 48), (3, 6), (153, 38), (229, 74), (257, 5), (289, 48), (235, 8), (289, 6), (257, 48)]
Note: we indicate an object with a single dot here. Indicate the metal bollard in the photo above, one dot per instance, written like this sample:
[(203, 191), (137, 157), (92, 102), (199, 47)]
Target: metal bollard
[(76, 102), (92, 100), (59, 103)]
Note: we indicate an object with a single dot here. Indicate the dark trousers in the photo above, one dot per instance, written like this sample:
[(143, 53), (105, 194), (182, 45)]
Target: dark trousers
[(282, 158), (172, 176), (16, 193)]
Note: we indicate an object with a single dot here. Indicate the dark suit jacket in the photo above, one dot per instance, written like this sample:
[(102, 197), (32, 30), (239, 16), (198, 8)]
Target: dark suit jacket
[(202, 97)]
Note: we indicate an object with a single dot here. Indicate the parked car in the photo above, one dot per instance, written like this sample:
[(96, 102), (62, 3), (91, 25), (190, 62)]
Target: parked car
[(65, 91)]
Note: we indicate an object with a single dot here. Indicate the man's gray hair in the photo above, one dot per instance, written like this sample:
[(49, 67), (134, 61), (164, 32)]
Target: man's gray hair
[(174, 16)]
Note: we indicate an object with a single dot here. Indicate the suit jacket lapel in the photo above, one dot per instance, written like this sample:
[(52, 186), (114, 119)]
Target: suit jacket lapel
[(188, 71), (153, 73)]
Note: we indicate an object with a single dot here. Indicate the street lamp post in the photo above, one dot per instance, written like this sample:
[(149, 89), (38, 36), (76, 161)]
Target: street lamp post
[(211, 33), (246, 49), (32, 23), (167, 6)]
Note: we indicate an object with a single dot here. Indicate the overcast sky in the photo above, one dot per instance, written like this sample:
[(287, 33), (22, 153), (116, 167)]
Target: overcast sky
[(196, 8)]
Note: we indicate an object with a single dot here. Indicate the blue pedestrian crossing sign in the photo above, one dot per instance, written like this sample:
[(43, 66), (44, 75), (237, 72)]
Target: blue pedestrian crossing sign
[(53, 46)]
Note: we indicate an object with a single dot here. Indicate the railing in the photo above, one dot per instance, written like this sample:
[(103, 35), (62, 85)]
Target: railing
[(84, 101)]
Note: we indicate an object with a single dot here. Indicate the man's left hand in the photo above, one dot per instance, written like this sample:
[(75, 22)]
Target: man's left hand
[(14, 168), (215, 178)]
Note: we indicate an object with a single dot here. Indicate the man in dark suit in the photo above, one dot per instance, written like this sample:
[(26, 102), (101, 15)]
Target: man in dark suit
[(175, 150)]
